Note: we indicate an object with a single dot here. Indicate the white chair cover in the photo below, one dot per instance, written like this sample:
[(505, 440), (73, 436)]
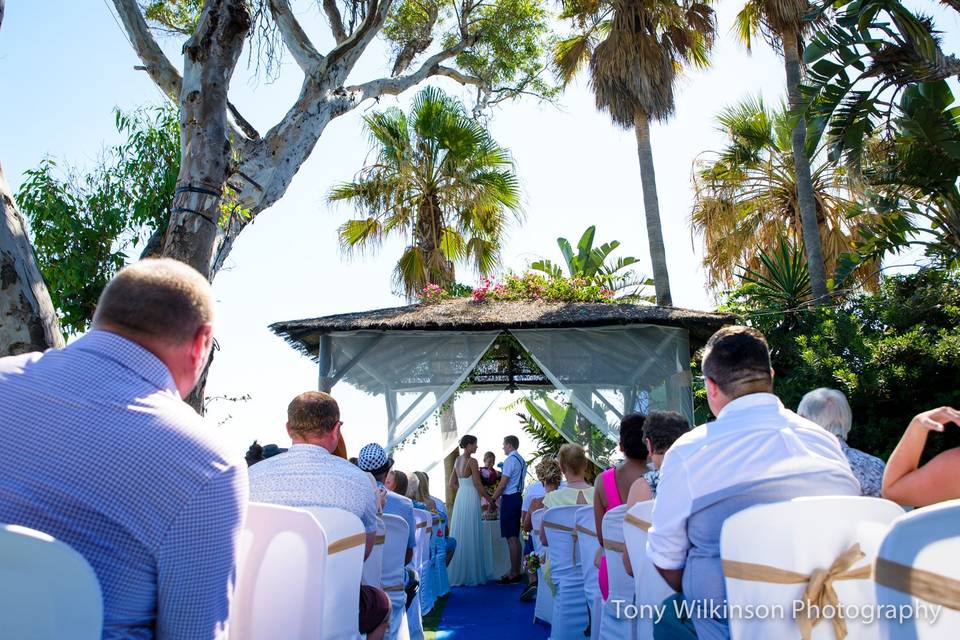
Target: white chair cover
[(373, 565), (801, 536), (926, 540), (570, 602), (428, 577), (393, 574), (615, 623), (346, 543), (544, 606), (438, 555), (588, 544), (415, 612), (649, 586), (48, 591), (281, 567)]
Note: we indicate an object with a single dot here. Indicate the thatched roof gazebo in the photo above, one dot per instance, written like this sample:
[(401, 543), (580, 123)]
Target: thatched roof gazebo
[(609, 358)]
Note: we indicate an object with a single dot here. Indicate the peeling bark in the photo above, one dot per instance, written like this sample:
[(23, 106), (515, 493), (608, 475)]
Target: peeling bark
[(28, 321)]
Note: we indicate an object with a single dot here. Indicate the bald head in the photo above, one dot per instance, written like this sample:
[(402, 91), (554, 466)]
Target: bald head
[(167, 308), (156, 300)]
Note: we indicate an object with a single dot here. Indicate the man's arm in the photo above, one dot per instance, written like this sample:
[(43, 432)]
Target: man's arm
[(197, 558), (667, 540), (673, 577)]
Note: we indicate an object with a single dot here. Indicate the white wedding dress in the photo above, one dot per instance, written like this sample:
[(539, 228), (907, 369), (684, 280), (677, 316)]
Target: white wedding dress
[(468, 566)]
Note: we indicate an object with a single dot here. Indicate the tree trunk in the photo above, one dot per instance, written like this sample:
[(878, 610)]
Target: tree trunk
[(651, 211), (805, 197), (209, 58), (28, 321), (448, 429)]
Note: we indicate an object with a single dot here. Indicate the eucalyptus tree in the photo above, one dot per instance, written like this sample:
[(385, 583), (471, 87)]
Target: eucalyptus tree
[(783, 24), (230, 171), (29, 322), (745, 202), (634, 49)]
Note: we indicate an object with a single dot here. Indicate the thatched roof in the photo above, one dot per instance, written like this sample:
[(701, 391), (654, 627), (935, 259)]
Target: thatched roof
[(464, 314)]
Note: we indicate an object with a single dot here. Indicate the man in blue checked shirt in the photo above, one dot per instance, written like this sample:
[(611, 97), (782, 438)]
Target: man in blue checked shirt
[(157, 512)]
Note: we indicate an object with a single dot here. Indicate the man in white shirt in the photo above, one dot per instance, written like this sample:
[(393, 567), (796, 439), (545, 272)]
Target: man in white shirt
[(755, 452), (511, 488)]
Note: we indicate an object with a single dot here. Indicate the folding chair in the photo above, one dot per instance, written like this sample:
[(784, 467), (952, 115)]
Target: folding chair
[(588, 544), (394, 573), (649, 586), (543, 610), (614, 624), (346, 543), (570, 601)]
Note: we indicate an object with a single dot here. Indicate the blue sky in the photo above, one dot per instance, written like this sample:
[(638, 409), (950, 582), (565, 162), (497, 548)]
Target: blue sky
[(66, 64)]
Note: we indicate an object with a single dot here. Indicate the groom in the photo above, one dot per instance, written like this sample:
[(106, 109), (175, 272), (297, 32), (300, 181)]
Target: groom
[(511, 488)]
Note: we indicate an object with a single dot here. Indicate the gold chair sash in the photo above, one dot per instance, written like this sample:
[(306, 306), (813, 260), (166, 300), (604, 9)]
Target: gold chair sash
[(586, 531), (637, 522), (926, 585), (422, 525), (573, 534), (393, 587), (346, 543), (819, 591), (380, 539), (614, 545)]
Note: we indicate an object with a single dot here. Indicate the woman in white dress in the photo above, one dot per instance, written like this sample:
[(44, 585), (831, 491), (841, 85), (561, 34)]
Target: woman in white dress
[(468, 566)]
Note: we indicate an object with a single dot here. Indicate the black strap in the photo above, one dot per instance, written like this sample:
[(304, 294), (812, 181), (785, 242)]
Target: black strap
[(192, 189)]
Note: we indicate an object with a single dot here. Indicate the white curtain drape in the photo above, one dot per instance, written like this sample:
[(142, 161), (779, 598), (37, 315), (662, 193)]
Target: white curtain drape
[(607, 372), (415, 372)]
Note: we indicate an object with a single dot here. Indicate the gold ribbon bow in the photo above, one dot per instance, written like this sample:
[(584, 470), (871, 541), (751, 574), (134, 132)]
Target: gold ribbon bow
[(819, 592), (573, 534)]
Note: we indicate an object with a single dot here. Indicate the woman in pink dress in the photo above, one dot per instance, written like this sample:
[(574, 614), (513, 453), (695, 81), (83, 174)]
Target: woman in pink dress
[(613, 485)]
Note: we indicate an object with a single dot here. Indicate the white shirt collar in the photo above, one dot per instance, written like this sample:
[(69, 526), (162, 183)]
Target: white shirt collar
[(750, 401)]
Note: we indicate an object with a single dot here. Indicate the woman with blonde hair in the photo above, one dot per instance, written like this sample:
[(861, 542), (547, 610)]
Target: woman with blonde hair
[(573, 464)]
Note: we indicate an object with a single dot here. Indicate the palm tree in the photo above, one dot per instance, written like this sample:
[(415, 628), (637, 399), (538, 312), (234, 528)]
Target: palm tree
[(634, 49), (439, 180), (782, 22), (745, 200)]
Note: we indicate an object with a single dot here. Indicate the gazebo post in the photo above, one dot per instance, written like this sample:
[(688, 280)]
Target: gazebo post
[(325, 355)]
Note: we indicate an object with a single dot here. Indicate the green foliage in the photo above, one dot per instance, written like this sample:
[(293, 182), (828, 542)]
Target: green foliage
[(876, 92), (894, 353), (783, 281), (440, 181), (552, 424), (84, 227), (178, 16), (594, 265), (507, 42)]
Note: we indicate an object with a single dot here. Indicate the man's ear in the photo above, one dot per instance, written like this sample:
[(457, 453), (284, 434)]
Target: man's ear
[(773, 373), (289, 430), (202, 343), (712, 389)]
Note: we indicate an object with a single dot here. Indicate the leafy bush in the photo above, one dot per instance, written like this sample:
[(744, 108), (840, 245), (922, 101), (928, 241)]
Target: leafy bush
[(894, 353)]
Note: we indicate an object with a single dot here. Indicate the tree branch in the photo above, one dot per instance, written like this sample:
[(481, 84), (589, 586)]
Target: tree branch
[(295, 38), (155, 62), (336, 21), (349, 51), (242, 123), (430, 67)]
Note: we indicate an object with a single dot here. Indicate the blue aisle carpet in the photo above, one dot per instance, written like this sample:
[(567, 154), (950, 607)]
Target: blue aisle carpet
[(490, 612)]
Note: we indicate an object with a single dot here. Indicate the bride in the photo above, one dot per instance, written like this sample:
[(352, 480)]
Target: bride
[(468, 567)]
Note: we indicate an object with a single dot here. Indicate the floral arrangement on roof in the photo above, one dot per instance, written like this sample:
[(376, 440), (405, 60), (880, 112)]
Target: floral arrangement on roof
[(527, 286), (587, 274)]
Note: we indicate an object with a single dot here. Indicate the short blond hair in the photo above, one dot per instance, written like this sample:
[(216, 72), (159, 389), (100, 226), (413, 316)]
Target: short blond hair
[(156, 299), (313, 412), (548, 472), (573, 458)]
